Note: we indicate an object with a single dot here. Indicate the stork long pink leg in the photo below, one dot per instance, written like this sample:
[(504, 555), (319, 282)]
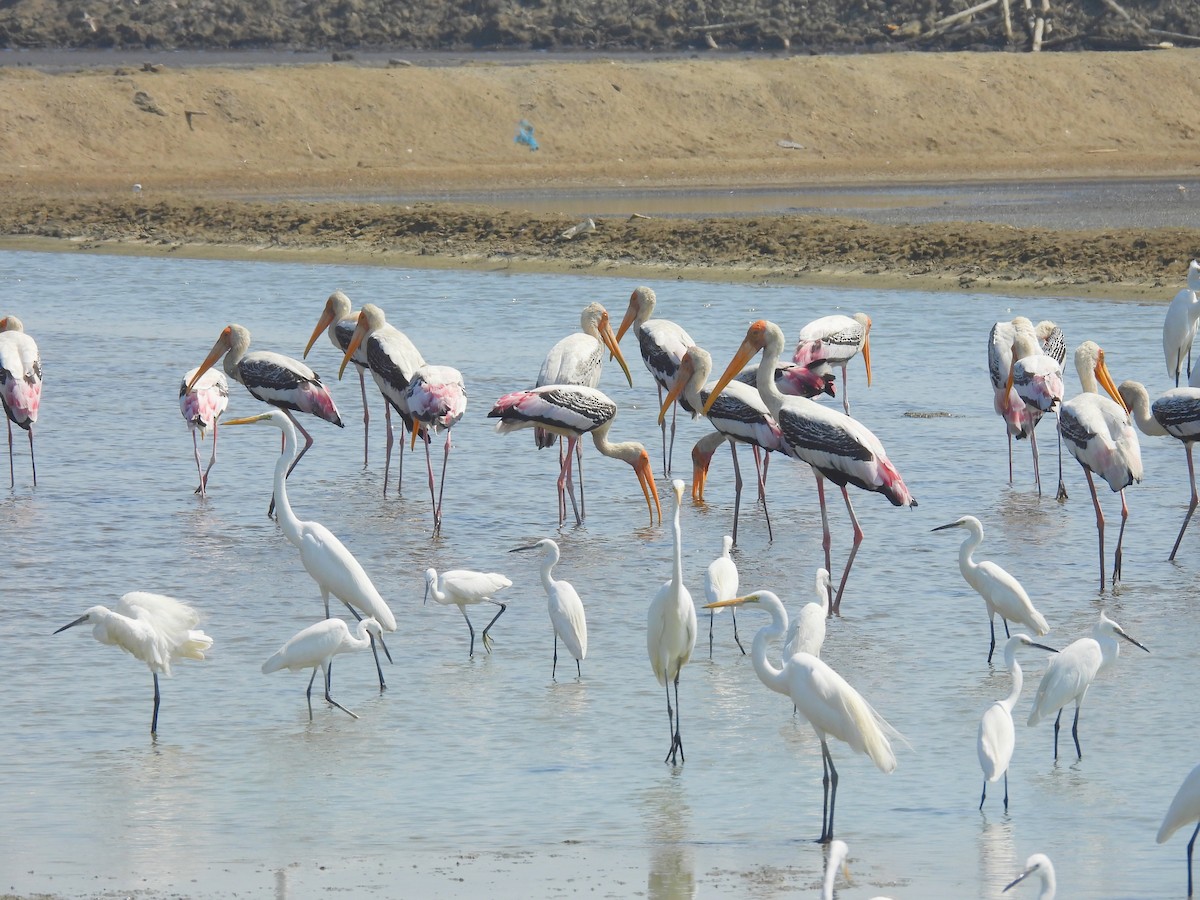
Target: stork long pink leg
[(1099, 521), (1191, 506), (836, 606)]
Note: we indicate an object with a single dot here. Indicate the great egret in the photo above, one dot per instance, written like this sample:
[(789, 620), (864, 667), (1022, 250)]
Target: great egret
[(836, 446), (437, 398), (1175, 413), (1179, 325), (201, 407), (1071, 672), (824, 698), (154, 628), (1039, 864), (393, 360), (1184, 809), (283, 382), (662, 344), (565, 607), (463, 588), (332, 566), (836, 339), (671, 631), (20, 385), (315, 647), (721, 583), (997, 736), (338, 321), (1100, 436), (999, 589)]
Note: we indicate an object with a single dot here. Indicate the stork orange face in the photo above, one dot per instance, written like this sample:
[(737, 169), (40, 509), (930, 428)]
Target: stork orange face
[(220, 348), (649, 489), (1106, 380), (612, 342), (753, 343)]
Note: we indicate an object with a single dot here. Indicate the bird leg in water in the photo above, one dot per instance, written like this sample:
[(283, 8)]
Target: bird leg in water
[(836, 608), (199, 472), (211, 459), (737, 640), (387, 458), (554, 666), (760, 468), (1191, 506), (673, 720), (992, 625), (374, 650), (1061, 496), (471, 628), (1037, 469), (713, 612), (829, 783), (1099, 520), (582, 498), (487, 641), (154, 718), (362, 383), (1075, 730), (1116, 575), (737, 490), (437, 510), (566, 486), (327, 697)]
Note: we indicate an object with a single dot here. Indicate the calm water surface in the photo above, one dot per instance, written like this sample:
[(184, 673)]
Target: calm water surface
[(485, 777)]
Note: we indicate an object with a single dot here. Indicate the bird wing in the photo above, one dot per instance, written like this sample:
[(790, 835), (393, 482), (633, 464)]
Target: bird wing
[(1178, 411), (567, 616), (576, 359), (1066, 678), (334, 568), (996, 741), (1185, 806), (832, 706)]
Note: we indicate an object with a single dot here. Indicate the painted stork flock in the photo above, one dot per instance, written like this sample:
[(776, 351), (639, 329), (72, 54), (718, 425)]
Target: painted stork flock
[(759, 399)]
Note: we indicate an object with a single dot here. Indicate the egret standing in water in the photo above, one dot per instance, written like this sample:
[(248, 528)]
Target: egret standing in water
[(1000, 590), (824, 698), (333, 567), (1072, 672), (1179, 325), (565, 607), (463, 588), (997, 736), (671, 631), (1184, 810), (721, 583), (314, 648), (154, 628)]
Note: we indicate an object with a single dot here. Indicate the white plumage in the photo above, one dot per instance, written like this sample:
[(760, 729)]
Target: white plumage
[(463, 588), (563, 603), (314, 648)]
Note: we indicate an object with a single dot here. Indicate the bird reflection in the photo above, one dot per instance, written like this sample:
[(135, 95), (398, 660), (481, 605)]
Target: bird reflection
[(997, 855), (668, 818)]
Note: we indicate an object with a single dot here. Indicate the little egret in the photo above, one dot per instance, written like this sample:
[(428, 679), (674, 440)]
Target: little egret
[(1039, 864), (151, 627), (565, 607), (1072, 672), (333, 567), (824, 698), (721, 583), (997, 737), (806, 633), (671, 631), (316, 646), (1179, 325), (1184, 810), (463, 588), (839, 855), (201, 408), (1000, 590)]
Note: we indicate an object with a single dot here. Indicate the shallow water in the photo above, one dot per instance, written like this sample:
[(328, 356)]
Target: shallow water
[(484, 776)]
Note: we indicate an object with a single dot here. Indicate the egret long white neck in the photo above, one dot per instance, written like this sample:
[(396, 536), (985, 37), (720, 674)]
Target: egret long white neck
[(767, 672), (288, 519), (549, 560)]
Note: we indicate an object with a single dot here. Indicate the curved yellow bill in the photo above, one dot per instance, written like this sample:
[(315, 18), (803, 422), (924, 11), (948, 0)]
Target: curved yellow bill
[(245, 420), (866, 354), (649, 488), (360, 332), (1106, 380), (630, 316), (322, 324), (682, 376), (700, 464), (736, 601), (219, 349), (744, 354), (614, 350), (414, 431)]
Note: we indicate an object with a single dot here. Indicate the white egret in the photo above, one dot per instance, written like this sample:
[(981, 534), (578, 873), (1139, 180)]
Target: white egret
[(332, 566), (565, 607), (1100, 436), (1179, 325), (721, 583), (1175, 413), (201, 407), (999, 589), (671, 631), (806, 632), (20, 385), (836, 339), (1072, 672), (839, 855), (997, 736), (463, 588), (1184, 810), (825, 699), (315, 647), (1039, 864), (154, 628)]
